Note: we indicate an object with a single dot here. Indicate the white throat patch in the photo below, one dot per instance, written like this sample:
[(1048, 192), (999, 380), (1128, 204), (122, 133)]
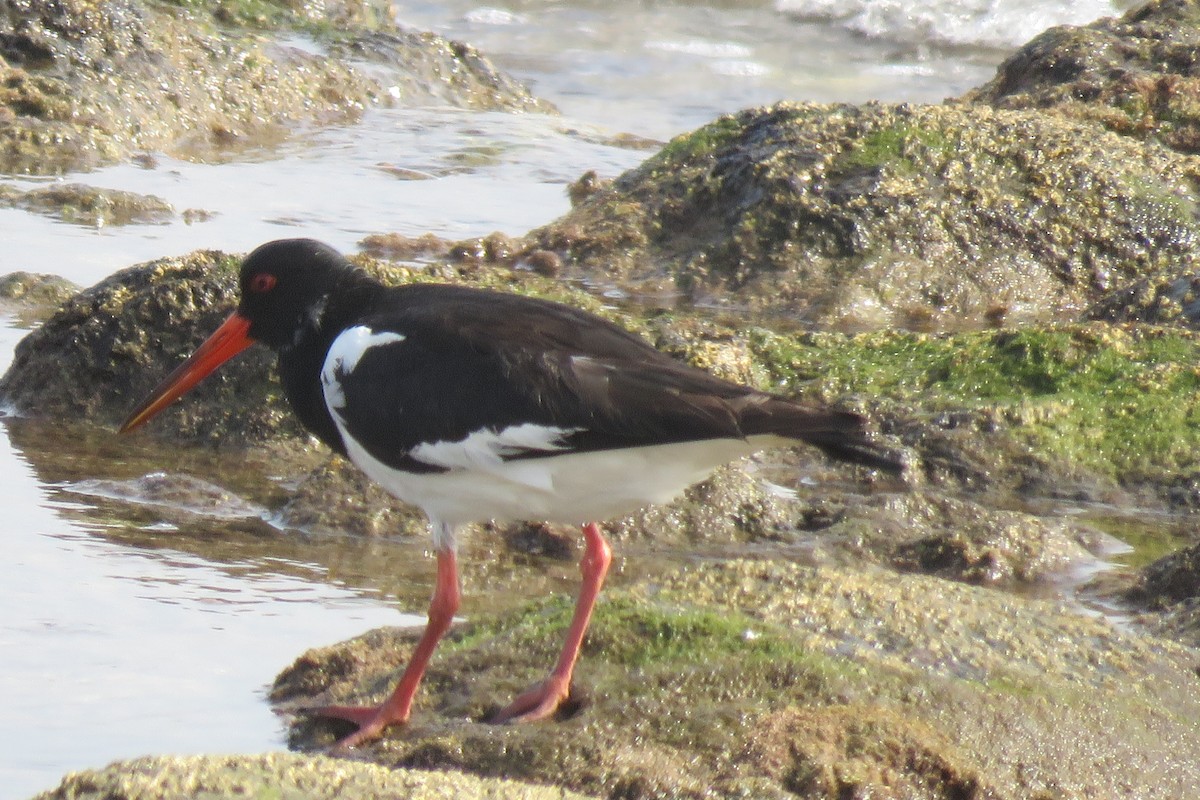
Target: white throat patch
[(343, 356)]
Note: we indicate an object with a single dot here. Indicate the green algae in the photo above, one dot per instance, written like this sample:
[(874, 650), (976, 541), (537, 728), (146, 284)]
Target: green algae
[(700, 143), (894, 146), (1118, 402), (635, 634)]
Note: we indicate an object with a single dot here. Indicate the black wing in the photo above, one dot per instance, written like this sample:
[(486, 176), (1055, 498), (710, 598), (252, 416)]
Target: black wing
[(473, 361)]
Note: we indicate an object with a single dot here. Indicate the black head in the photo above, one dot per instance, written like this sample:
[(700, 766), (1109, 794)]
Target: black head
[(285, 285)]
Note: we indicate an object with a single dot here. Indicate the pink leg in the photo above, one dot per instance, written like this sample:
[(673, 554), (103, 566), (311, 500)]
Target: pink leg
[(543, 700), (372, 720)]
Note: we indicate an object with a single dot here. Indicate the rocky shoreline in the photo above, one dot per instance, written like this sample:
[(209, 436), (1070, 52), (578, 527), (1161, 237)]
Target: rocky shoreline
[(1004, 283)]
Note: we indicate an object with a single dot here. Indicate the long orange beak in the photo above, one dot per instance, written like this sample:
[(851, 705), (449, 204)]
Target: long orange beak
[(225, 343)]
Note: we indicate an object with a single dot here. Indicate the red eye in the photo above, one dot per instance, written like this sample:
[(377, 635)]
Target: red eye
[(262, 282)]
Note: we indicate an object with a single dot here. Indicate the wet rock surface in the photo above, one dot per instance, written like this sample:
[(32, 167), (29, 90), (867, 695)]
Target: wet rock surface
[(958, 539), (862, 217), (281, 775), (766, 678), (35, 295), (88, 206), (1136, 75), (111, 343), (82, 84)]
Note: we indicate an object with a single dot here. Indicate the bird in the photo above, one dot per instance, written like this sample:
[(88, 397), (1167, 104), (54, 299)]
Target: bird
[(477, 405)]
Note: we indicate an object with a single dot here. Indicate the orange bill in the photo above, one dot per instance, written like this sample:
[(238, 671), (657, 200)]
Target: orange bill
[(225, 343)]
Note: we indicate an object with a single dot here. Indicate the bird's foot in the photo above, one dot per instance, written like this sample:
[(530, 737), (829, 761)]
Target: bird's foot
[(538, 702), (372, 721)]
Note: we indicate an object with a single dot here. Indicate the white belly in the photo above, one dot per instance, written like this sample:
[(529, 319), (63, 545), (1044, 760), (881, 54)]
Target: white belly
[(577, 488)]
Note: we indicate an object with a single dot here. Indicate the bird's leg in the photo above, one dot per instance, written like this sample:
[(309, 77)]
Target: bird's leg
[(542, 700), (372, 720)]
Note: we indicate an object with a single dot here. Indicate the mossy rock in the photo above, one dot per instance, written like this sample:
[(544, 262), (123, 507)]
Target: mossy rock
[(1084, 411), (82, 83), (757, 678), (280, 776), (921, 531), (873, 216), (1134, 75), (92, 207), (109, 345)]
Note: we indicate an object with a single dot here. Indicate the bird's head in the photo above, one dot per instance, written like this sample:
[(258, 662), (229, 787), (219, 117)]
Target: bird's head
[(284, 285)]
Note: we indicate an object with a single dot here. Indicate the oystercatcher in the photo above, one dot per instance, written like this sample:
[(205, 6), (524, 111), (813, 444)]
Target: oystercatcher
[(477, 405)]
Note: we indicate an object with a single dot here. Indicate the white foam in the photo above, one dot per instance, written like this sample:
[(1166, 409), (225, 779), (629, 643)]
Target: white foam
[(493, 16), (988, 23), (705, 48)]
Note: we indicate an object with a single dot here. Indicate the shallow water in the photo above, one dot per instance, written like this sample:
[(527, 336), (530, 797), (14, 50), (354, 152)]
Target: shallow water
[(114, 649), (129, 630)]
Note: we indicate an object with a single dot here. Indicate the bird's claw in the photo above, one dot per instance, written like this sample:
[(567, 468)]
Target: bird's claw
[(372, 721), (539, 702)]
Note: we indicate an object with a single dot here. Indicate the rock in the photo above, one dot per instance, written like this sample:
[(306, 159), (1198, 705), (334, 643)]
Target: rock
[(1167, 595), (112, 343), (760, 678), (874, 216), (399, 247), (959, 539), (95, 208), (1135, 75), (84, 84), (180, 495), (338, 498), (1157, 300), (825, 752), (37, 293), (281, 775)]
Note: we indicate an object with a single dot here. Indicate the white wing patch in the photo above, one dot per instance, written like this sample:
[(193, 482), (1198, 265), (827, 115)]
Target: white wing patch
[(486, 449), (343, 356)]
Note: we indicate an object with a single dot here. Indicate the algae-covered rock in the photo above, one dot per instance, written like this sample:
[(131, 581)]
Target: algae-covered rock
[(93, 207), (1085, 412), (282, 776), (757, 678), (109, 345), (1167, 595), (939, 535), (1172, 579), (36, 292), (1135, 75), (85, 83), (878, 215)]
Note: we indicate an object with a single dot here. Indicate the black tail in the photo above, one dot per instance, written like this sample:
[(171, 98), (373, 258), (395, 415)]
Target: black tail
[(839, 434), (859, 448)]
